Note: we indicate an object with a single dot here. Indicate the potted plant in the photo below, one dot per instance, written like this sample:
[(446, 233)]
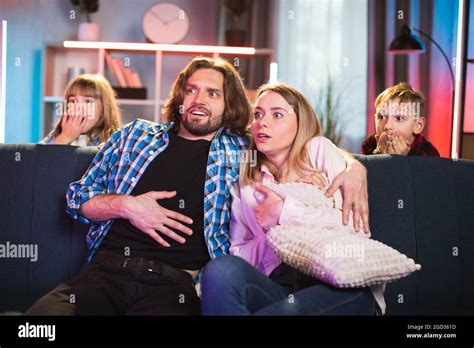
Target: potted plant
[(88, 31), (236, 35), (329, 111)]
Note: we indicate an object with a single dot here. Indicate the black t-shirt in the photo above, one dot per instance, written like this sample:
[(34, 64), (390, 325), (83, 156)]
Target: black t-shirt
[(181, 167)]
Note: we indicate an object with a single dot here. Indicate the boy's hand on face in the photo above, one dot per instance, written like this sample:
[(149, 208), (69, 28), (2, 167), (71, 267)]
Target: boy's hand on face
[(382, 143), (269, 206), (398, 145)]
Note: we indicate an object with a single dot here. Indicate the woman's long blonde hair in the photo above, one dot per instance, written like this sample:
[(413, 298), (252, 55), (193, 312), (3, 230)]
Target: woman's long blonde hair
[(308, 127), (99, 88)]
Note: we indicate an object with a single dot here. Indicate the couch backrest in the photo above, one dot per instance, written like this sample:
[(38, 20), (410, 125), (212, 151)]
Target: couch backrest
[(33, 180), (421, 206), (424, 207)]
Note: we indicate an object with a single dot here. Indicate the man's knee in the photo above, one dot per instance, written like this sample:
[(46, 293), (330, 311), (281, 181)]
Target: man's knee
[(55, 302)]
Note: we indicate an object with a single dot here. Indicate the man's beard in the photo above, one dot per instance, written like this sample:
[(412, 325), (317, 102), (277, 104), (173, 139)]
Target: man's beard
[(197, 127)]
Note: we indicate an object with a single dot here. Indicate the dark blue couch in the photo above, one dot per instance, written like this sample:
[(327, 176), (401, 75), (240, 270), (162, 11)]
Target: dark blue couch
[(424, 207)]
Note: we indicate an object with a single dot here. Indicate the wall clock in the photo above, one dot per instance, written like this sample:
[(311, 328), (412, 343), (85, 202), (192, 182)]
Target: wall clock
[(165, 23)]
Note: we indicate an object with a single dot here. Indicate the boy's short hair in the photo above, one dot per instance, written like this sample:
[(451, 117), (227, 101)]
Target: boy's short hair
[(405, 93)]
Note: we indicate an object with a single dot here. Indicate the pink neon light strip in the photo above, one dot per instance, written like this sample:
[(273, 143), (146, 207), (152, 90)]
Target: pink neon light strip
[(159, 47)]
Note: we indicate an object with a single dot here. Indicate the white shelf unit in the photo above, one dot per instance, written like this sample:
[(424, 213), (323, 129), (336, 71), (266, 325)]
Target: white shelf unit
[(91, 56)]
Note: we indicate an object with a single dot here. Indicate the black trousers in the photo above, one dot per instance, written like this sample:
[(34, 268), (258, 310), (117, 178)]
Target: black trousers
[(113, 284)]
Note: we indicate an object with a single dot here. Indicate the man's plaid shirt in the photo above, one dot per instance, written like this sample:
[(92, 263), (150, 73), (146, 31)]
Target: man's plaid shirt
[(118, 166)]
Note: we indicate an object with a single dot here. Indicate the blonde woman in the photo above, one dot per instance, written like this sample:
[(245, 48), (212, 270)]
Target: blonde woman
[(289, 144), (89, 113)]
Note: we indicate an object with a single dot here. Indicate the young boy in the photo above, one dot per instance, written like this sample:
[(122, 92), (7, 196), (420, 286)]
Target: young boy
[(399, 123)]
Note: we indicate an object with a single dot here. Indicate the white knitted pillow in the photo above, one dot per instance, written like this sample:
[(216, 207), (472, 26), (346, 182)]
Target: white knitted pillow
[(327, 252)]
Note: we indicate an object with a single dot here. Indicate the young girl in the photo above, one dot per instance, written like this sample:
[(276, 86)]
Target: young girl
[(287, 137), (89, 113)]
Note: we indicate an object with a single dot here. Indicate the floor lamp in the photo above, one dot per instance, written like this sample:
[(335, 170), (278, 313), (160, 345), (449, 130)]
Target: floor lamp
[(408, 43)]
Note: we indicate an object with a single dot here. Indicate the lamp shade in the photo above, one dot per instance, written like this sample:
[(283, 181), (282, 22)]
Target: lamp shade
[(406, 43)]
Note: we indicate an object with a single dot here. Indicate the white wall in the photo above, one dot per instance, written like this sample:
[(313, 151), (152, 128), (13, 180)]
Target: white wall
[(33, 22), (3, 77), (317, 37)]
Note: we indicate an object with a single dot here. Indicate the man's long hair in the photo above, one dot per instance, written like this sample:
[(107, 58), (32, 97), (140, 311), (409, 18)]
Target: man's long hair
[(237, 112)]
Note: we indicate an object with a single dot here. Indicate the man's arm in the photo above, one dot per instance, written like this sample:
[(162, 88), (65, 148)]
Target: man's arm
[(94, 181), (354, 188), (105, 207), (142, 211), (88, 199)]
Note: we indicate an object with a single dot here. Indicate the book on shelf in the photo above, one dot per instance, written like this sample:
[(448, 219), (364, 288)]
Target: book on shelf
[(122, 76), (136, 80), (114, 71), (120, 71), (126, 82), (128, 74)]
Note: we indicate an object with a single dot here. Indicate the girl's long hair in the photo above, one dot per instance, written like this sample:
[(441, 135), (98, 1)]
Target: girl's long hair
[(99, 88), (308, 127)]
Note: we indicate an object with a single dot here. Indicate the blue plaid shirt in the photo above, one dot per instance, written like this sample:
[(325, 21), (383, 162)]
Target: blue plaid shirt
[(118, 166)]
